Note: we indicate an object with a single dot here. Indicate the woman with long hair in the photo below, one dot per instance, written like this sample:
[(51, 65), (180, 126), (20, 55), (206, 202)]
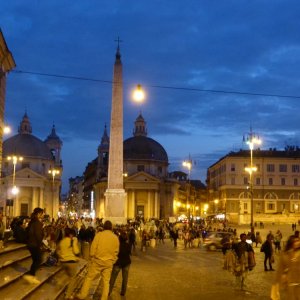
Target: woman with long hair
[(34, 243)]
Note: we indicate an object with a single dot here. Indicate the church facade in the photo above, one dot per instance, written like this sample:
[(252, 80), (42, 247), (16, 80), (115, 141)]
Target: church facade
[(32, 173), (152, 192)]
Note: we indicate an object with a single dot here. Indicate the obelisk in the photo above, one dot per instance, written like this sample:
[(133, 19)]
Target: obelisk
[(115, 196)]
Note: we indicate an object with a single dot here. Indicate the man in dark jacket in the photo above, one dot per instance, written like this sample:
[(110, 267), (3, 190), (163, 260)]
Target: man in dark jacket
[(267, 248), (34, 243), (123, 263)]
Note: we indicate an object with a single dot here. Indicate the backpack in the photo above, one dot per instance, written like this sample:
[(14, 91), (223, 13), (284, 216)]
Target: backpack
[(51, 260)]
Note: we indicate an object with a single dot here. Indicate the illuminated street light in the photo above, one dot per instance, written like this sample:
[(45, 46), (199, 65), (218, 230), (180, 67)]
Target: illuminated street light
[(251, 140), (14, 160), (138, 94), (6, 130), (188, 164), (53, 172)]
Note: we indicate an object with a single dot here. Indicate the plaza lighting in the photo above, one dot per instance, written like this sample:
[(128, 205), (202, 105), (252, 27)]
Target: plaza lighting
[(251, 140), (138, 94), (53, 172), (14, 159), (188, 164), (6, 130)]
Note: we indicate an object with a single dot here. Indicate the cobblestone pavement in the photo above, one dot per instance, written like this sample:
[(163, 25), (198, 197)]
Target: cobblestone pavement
[(192, 274)]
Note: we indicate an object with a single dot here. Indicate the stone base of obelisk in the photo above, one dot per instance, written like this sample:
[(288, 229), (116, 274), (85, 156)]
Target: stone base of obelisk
[(116, 206)]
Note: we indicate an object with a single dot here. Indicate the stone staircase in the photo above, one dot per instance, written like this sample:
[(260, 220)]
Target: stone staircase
[(15, 261)]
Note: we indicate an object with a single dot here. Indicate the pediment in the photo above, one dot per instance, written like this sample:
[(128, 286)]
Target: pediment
[(28, 173), (142, 177)]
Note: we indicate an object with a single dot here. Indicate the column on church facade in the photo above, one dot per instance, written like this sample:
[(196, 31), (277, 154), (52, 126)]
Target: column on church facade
[(16, 209), (41, 199), (131, 203), (35, 198), (149, 210), (156, 206)]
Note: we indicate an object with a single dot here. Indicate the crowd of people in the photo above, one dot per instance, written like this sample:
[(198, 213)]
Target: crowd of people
[(108, 249)]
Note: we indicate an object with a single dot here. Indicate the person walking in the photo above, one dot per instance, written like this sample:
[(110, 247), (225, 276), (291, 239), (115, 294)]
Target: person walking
[(267, 248), (123, 263), (103, 254), (258, 239), (34, 243), (287, 279), (277, 240), (67, 252), (175, 236), (132, 239), (244, 259)]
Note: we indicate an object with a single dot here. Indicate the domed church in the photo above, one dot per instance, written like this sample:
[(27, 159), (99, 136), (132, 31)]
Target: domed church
[(151, 191), (34, 168)]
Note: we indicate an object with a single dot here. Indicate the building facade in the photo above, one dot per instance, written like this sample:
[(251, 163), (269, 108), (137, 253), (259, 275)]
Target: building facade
[(152, 192), (275, 186), (7, 63), (33, 176)]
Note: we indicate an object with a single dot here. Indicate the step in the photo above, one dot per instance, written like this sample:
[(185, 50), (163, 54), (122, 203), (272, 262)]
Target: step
[(14, 271), (20, 288), (54, 287), (13, 255)]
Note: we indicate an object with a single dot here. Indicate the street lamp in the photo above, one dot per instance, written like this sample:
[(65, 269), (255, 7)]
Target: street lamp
[(251, 140), (14, 159), (188, 164), (138, 94), (53, 172)]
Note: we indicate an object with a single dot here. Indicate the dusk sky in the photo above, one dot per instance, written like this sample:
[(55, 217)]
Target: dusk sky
[(176, 50)]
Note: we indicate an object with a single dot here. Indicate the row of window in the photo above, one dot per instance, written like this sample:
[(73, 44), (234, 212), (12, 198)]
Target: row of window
[(270, 181), (282, 168)]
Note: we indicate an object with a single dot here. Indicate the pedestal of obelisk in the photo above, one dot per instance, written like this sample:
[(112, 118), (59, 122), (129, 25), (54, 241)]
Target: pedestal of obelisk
[(116, 206)]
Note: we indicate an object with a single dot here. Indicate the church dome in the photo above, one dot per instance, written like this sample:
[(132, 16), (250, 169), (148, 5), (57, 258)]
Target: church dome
[(26, 144), (144, 148), (141, 147)]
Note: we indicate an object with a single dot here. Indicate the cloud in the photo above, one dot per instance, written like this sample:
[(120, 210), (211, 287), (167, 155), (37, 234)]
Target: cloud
[(248, 46)]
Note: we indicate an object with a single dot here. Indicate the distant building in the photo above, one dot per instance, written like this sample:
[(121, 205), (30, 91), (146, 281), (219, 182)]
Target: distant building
[(276, 186), (33, 176), (152, 192)]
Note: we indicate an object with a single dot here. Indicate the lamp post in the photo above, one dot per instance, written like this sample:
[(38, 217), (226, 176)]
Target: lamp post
[(251, 139), (188, 164), (53, 172), (14, 159)]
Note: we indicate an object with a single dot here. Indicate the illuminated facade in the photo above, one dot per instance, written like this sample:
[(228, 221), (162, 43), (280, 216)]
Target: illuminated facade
[(37, 187), (276, 186), (152, 192)]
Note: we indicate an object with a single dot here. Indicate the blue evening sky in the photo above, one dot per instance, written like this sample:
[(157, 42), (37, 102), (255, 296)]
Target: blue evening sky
[(246, 46)]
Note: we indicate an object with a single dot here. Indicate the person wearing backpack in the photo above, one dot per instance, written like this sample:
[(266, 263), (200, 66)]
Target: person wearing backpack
[(34, 233)]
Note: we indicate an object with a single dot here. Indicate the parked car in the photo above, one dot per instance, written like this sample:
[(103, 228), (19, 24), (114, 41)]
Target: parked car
[(213, 239)]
